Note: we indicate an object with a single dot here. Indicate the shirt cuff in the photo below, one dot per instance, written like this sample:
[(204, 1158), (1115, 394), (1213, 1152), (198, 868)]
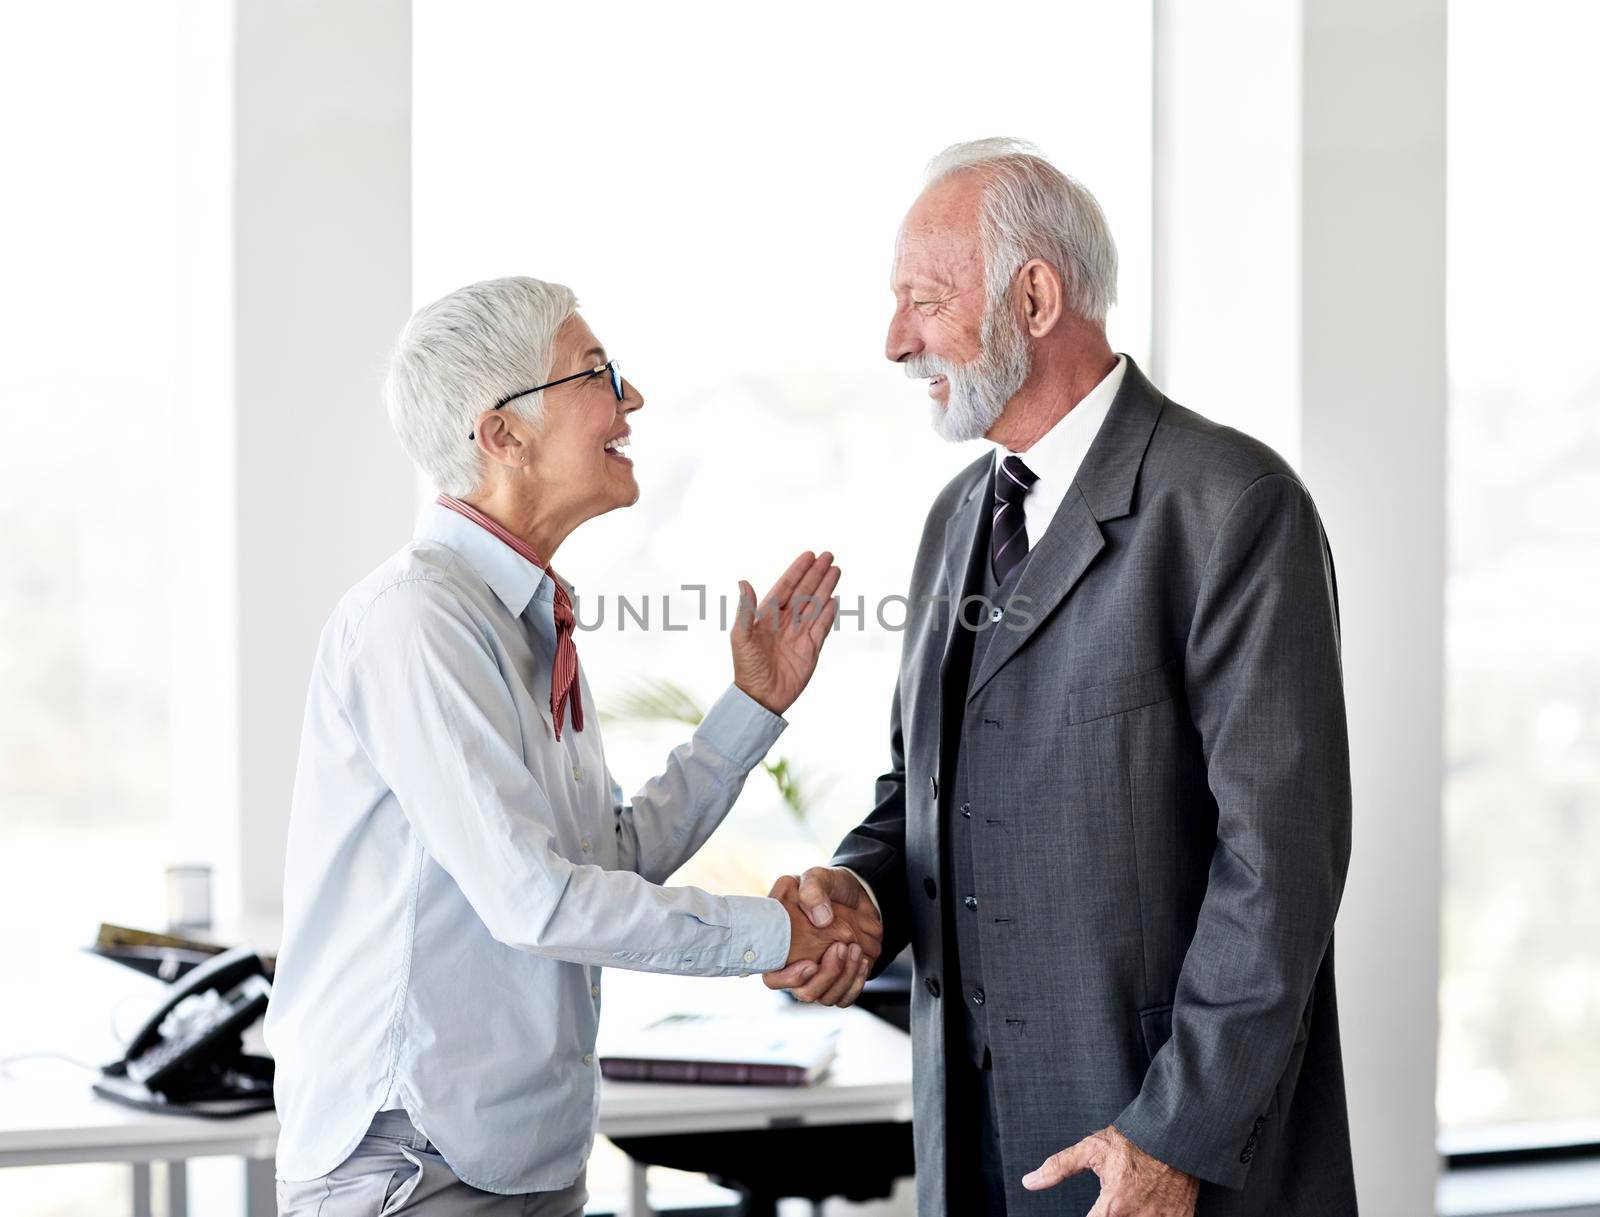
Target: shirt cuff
[(866, 887), (740, 728), (758, 934)]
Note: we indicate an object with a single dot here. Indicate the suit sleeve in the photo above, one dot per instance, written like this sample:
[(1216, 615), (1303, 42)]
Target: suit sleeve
[(876, 849), (1265, 689)]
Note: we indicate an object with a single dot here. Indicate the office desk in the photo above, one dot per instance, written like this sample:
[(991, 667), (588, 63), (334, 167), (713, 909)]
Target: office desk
[(48, 1115)]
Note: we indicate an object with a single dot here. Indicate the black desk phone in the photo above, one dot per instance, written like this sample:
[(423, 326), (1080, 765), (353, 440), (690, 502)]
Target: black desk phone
[(189, 1058)]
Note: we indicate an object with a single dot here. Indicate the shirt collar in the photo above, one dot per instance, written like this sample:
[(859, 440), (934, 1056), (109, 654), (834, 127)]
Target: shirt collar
[(1057, 454), (509, 575)]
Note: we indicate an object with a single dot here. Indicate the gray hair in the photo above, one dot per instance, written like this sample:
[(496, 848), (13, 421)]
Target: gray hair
[(458, 356), (1030, 209)]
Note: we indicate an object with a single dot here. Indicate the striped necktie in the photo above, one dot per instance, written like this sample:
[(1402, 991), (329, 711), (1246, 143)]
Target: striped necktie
[(564, 667), (1008, 538), (564, 672)]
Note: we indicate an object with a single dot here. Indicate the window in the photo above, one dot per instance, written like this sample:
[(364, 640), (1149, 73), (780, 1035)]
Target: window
[(1520, 1000), (85, 464), (86, 438)]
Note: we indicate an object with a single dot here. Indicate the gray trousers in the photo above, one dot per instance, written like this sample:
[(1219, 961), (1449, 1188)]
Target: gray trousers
[(395, 1169)]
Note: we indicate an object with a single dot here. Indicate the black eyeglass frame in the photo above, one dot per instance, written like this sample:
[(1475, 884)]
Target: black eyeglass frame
[(610, 365)]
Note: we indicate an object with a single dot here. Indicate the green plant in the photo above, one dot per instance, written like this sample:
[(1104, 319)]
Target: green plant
[(662, 700)]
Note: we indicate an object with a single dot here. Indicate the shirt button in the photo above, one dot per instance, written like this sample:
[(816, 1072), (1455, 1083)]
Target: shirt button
[(971, 902), (749, 957), (966, 811), (588, 1058), (594, 990), (577, 773), (585, 844), (977, 997)]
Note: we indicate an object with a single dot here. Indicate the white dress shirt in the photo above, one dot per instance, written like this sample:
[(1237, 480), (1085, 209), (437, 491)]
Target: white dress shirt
[(456, 877), (1056, 457)]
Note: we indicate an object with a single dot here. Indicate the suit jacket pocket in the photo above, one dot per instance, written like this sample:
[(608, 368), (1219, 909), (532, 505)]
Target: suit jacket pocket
[(1155, 1025), (1124, 694)]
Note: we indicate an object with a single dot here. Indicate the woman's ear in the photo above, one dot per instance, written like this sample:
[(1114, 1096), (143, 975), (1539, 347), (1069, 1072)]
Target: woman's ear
[(501, 441), (1043, 297)]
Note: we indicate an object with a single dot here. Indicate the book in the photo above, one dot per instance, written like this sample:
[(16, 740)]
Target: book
[(721, 1049), (165, 956)]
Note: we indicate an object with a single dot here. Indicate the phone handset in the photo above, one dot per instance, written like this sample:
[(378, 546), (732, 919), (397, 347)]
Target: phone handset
[(189, 1053)]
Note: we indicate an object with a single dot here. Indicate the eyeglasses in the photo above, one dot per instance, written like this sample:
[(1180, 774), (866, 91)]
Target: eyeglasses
[(611, 366)]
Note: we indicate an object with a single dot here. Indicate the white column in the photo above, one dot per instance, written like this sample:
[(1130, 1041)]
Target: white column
[(1373, 424), (1226, 335), (299, 281), (1300, 296)]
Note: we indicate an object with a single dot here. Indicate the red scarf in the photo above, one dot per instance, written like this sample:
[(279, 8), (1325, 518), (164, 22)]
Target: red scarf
[(564, 671)]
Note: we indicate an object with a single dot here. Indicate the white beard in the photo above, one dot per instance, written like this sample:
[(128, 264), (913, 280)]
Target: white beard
[(981, 388)]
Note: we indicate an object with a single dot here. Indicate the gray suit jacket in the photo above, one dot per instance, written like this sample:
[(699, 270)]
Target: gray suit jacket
[(1156, 736)]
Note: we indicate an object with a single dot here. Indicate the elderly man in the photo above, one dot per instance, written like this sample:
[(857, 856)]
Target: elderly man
[(1116, 823), (461, 865)]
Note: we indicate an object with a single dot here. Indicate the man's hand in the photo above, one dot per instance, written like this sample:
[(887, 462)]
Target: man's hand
[(776, 643), (1132, 1183), (830, 895), (851, 935)]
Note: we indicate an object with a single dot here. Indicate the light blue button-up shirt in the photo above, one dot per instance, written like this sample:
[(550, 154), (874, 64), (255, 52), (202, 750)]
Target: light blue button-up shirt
[(456, 877)]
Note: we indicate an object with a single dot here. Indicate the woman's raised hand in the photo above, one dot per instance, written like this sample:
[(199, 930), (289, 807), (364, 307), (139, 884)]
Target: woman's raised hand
[(776, 642)]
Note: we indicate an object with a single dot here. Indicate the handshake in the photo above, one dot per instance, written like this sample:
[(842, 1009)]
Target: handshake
[(835, 936)]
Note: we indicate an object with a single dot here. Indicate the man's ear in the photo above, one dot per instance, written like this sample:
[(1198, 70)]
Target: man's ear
[(1042, 295), (500, 441)]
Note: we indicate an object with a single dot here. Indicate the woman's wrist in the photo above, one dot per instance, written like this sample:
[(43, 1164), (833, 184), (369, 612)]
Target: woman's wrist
[(760, 697)]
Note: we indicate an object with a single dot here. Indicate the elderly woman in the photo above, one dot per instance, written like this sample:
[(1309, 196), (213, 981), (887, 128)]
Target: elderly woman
[(460, 863)]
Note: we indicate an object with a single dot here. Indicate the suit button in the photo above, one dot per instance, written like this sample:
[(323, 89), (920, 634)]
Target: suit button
[(977, 997), (971, 902), (933, 986), (966, 810), (932, 888), (933, 787)]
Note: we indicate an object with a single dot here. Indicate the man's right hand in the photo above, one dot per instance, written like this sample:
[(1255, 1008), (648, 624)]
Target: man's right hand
[(827, 899)]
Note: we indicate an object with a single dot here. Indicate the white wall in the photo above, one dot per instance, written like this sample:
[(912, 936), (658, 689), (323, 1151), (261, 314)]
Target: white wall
[(293, 295), (1300, 296)]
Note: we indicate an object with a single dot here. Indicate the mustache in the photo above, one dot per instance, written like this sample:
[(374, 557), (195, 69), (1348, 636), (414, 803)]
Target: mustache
[(920, 367)]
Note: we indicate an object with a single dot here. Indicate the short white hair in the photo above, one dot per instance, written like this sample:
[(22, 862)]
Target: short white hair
[(1030, 209), (458, 356)]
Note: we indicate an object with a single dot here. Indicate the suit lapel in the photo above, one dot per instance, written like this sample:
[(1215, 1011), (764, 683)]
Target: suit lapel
[(1103, 490), (961, 551)]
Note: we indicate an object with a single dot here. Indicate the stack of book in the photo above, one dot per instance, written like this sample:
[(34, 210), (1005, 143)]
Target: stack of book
[(731, 1048)]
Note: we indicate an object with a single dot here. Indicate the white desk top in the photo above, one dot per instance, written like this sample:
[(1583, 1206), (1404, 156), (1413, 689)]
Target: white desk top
[(869, 1082), (49, 1115)]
